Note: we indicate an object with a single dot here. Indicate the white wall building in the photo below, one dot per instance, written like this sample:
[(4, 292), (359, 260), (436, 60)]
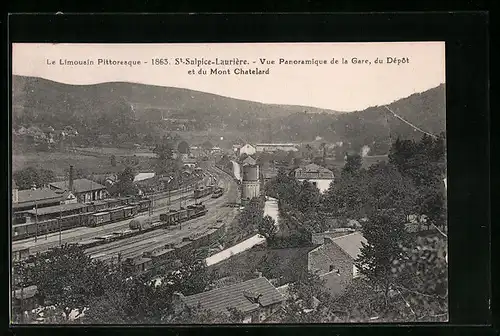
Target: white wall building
[(317, 175), (267, 147), (247, 149)]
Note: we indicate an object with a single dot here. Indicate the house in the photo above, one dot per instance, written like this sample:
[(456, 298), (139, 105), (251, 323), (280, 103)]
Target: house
[(268, 147), (143, 176), (319, 238), (333, 261), (25, 299), (84, 190), (215, 150), (23, 200), (257, 299), (319, 176), (247, 149), (249, 161), (189, 162)]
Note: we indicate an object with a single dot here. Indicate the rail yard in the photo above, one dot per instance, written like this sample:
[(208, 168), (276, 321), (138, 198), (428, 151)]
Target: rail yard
[(113, 242)]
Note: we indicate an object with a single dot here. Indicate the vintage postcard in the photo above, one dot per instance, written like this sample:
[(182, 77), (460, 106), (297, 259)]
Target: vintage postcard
[(228, 183)]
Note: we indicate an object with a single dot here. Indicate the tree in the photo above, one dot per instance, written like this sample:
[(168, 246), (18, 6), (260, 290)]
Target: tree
[(125, 185), (113, 161), (207, 145), (243, 157), (423, 280), (387, 189), (251, 216), (386, 237), (308, 198), (67, 278), (353, 164), (183, 147), (267, 228), (164, 150), (199, 315), (30, 176), (305, 296)]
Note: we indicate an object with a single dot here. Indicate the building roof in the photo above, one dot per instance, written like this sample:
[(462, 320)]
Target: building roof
[(40, 196), (277, 144), (79, 185), (25, 293), (240, 296), (351, 244), (143, 176), (313, 168), (56, 209), (249, 161)]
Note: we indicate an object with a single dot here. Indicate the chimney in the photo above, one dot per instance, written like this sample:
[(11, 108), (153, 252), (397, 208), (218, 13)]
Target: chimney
[(258, 274), (71, 177)]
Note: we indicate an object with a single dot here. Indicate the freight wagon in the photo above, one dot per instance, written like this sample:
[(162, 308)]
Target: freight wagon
[(202, 192), (218, 192), (67, 216), (20, 253), (37, 228), (175, 217), (138, 264)]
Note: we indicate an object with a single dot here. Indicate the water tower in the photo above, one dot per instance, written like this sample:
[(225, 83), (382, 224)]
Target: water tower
[(250, 184)]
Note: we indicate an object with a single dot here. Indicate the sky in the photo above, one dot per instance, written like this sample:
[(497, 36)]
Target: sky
[(341, 87)]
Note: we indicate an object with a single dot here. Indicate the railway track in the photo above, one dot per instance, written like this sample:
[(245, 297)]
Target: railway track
[(84, 233), (76, 234), (137, 245)]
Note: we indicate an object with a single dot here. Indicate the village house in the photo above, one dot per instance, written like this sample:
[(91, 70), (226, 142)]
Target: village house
[(257, 299), (247, 149), (84, 190), (23, 200), (333, 261), (189, 162), (319, 176), (26, 299), (249, 161)]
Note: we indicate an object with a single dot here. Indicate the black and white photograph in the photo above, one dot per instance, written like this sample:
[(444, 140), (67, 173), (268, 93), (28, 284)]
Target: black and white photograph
[(228, 183)]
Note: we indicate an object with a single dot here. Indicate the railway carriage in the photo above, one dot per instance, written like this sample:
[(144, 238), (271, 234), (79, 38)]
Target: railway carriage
[(202, 192), (144, 205), (99, 218), (170, 218), (20, 253), (86, 244), (117, 214), (218, 192), (183, 215)]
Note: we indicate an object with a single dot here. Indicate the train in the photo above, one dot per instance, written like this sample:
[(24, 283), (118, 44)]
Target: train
[(68, 216), (171, 251), (175, 217), (218, 192), (203, 192)]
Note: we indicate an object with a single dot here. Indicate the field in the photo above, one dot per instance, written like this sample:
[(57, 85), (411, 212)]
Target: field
[(105, 151), (59, 162)]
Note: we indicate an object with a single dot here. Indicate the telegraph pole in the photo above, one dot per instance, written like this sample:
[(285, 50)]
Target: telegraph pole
[(60, 216), (36, 222)]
